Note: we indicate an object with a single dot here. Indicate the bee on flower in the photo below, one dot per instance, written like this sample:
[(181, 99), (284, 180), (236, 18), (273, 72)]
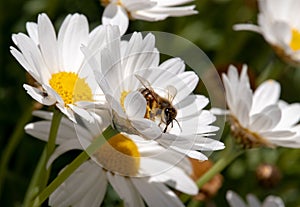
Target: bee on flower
[(153, 100)]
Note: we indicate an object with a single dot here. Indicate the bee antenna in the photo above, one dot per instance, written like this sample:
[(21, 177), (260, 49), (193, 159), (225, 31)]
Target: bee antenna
[(165, 129), (178, 125)]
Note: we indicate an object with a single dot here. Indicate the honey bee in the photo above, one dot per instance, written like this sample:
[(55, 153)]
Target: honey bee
[(157, 106)]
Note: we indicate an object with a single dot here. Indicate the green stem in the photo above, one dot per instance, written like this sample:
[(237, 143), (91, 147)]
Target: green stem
[(92, 148), (13, 142), (220, 165), (33, 189), (57, 116), (41, 174)]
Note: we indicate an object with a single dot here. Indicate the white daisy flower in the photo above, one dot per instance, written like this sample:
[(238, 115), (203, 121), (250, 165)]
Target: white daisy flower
[(235, 200), (278, 22), (152, 100), (138, 170), (259, 118), (118, 12), (57, 63)]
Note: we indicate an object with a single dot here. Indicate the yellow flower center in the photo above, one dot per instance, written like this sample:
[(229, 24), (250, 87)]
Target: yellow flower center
[(295, 41), (122, 98), (247, 138), (70, 87), (106, 2), (120, 155)]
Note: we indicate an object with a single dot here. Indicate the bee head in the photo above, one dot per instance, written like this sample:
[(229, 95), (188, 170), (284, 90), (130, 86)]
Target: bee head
[(170, 114)]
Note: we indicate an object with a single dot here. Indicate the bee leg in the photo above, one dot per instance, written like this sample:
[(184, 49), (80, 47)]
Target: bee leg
[(165, 130)]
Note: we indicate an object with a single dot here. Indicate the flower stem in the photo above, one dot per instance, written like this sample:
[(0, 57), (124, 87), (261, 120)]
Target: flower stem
[(220, 165), (41, 174), (91, 149), (13, 142), (33, 188), (57, 115)]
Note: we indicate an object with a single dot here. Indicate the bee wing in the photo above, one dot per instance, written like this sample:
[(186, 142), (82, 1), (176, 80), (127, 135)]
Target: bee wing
[(172, 91), (143, 81)]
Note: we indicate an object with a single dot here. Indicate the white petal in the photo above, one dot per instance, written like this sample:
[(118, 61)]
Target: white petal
[(156, 194), (41, 131), (116, 15), (32, 30), (72, 35), (134, 5), (177, 179), (175, 65), (42, 114), (82, 113), (273, 201), (147, 128), (278, 134), (39, 96), (48, 43), (267, 119), (135, 105), (290, 115), (234, 199), (27, 66), (33, 57), (282, 33), (218, 111), (266, 94), (249, 27), (149, 16), (172, 2), (85, 187), (253, 201), (62, 148), (125, 189), (152, 150), (173, 11)]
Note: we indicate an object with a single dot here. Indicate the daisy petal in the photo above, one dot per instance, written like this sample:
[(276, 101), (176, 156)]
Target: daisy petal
[(266, 94), (156, 194), (116, 15), (32, 30), (37, 95), (234, 200), (126, 190), (249, 27), (273, 201), (290, 115), (147, 128), (135, 105), (267, 119), (48, 43), (177, 179), (64, 147), (68, 194)]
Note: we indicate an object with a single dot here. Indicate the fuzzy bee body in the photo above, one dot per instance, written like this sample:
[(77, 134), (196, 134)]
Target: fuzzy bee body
[(157, 106)]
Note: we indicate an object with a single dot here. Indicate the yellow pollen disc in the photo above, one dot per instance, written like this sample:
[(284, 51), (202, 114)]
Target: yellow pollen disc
[(122, 98), (295, 41), (120, 155), (70, 87), (247, 138), (104, 2)]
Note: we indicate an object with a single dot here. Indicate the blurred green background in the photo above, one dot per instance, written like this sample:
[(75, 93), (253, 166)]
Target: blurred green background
[(211, 30)]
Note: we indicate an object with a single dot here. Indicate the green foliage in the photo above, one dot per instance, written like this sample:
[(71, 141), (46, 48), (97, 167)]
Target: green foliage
[(211, 30)]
